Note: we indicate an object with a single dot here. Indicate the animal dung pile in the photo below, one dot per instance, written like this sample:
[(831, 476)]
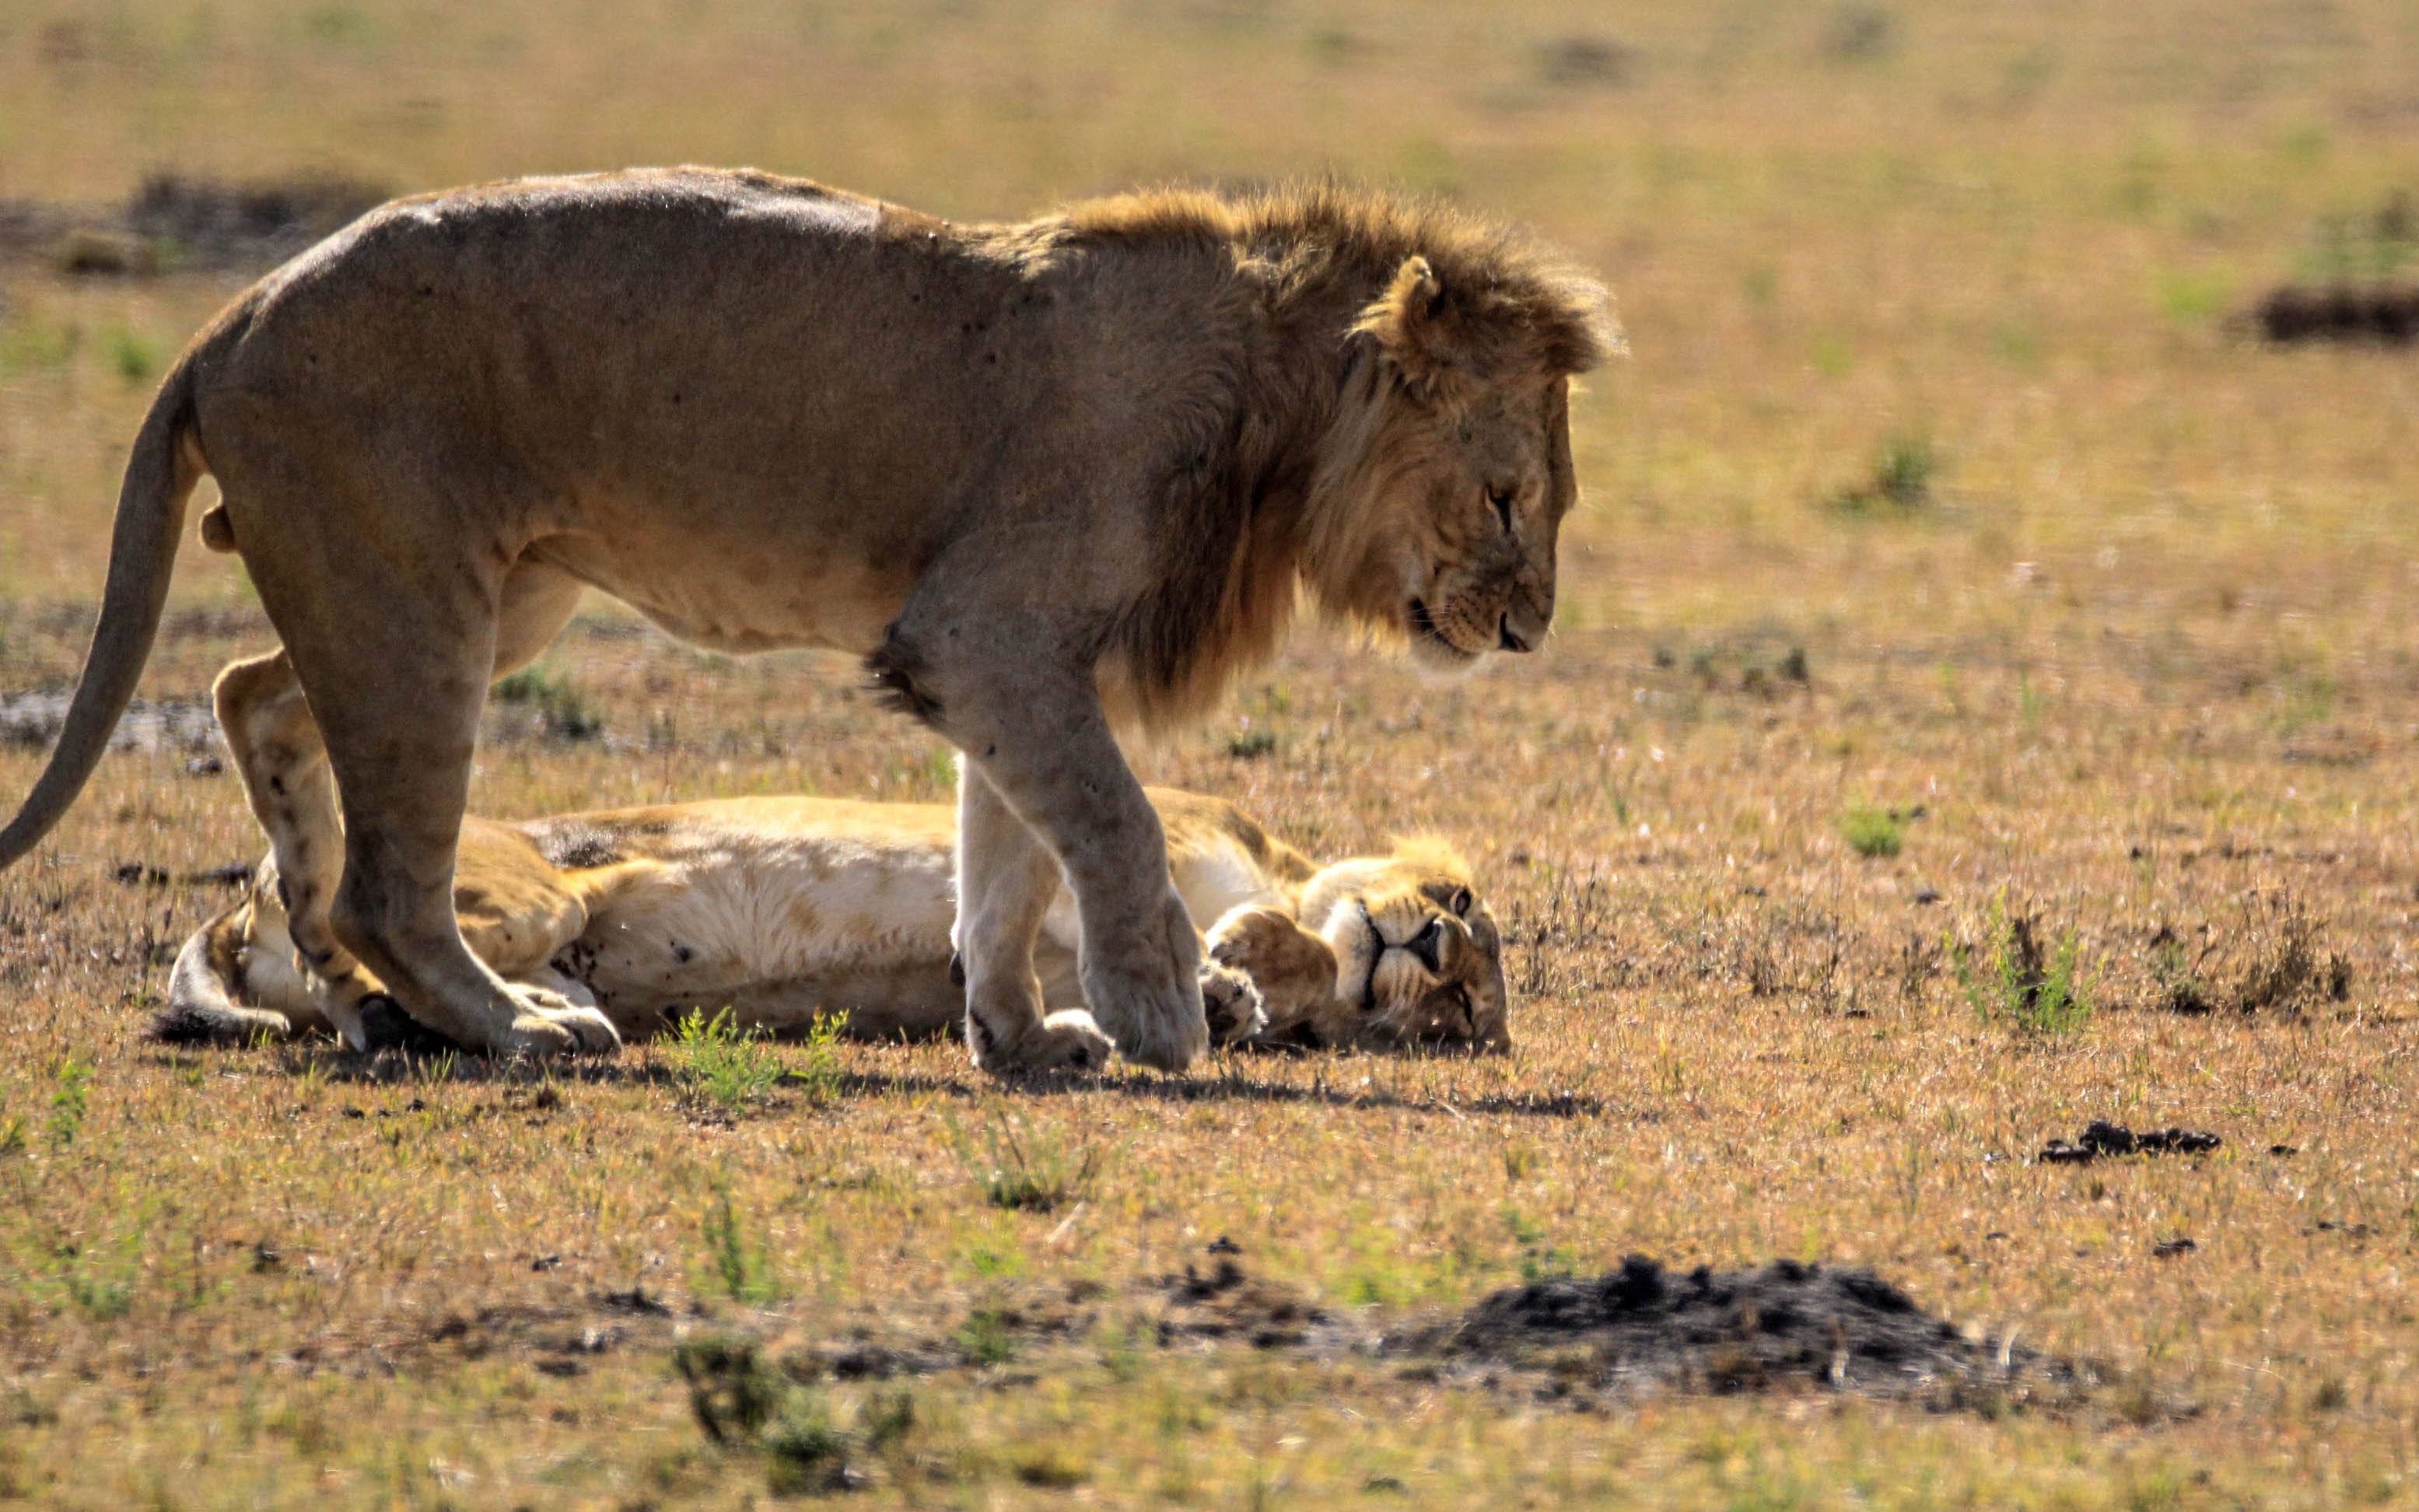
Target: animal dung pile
[(2116, 1139), (1760, 1328)]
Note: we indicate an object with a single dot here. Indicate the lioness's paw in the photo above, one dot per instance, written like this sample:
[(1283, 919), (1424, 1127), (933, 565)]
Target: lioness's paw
[(549, 1024), (1231, 1004), (1142, 987)]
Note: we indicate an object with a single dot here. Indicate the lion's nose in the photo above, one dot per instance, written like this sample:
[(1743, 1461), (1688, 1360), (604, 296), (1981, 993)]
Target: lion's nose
[(1522, 628)]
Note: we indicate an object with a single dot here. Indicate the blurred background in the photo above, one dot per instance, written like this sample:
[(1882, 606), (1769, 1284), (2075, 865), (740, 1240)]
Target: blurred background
[(1952, 452)]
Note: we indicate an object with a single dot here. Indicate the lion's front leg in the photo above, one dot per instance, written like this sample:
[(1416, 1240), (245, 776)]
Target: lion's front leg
[(1032, 728), (1140, 960), (1006, 881)]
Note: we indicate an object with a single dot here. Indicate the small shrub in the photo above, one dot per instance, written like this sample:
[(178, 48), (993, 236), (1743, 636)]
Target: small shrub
[(1022, 1168), (1873, 833), (732, 1390), (1856, 33), (804, 1451), (720, 1064), (1048, 1466), (1251, 745), (746, 1405), (563, 713), (1899, 482), (2274, 961), (739, 1264), (2012, 980)]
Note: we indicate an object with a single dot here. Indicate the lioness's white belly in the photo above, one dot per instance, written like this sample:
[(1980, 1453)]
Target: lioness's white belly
[(719, 920)]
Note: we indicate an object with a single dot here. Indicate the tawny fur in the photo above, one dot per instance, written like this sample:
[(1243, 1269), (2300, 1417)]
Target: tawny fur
[(1049, 479), (782, 910)]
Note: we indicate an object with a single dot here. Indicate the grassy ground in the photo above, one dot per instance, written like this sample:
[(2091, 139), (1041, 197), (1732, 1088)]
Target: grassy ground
[(1944, 559)]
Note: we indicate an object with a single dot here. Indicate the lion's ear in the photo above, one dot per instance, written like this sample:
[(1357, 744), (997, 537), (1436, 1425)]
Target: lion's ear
[(1413, 321)]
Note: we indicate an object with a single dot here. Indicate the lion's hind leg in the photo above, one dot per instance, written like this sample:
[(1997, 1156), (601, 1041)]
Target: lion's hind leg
[(393, 648)]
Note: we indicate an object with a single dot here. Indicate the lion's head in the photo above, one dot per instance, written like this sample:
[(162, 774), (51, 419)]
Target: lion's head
[(1392, 951), (1442, 500)]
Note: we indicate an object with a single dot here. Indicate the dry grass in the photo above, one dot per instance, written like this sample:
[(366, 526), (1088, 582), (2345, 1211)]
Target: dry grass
[(2134, 652)]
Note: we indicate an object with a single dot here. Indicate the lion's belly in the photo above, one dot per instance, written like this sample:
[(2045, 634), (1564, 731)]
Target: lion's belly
[(739, 595), (704, 930)]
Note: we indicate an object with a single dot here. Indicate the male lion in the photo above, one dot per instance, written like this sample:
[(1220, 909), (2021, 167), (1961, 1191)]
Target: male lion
[(1047, 479), (782, 909)]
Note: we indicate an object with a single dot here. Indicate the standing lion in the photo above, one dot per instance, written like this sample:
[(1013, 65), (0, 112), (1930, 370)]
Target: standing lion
[(1048, 479)]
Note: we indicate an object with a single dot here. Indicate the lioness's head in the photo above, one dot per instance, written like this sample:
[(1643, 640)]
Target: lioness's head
[(1460, 463), (1414, 947)]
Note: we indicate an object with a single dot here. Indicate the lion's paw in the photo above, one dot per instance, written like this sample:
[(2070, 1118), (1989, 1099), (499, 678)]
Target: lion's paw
[(384, 1026), (1144, 990), (1231, 1004), (549, 1024)]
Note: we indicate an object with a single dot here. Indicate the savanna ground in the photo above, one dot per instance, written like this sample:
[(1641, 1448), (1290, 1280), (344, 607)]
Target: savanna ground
[(1945, 558)]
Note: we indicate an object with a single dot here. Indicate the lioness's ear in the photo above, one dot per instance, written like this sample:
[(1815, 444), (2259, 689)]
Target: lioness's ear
[(1414, 320)]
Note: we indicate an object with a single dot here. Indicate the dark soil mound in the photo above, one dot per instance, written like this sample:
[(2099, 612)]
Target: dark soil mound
[(2116, 1139), (1229, 1303), (1761, 1328), (244, 224), (2295, 313)]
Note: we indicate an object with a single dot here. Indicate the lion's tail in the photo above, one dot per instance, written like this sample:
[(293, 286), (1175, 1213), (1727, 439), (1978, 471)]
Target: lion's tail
[(159, 477)]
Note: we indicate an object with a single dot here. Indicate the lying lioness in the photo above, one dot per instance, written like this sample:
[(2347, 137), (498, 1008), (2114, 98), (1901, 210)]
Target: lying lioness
[(782, 909)]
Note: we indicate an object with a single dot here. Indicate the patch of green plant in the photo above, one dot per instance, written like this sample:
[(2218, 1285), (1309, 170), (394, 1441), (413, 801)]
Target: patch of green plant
[(2193, 296), (133, 357), (746, 1405), (1540, 1260), (1020, 1168), (737, 1262), (30, 344), (1873, 833), (716, 1062), (2012, 980), (70, 1099), (815, 1071), (1251, 745), (2363, 247), (987, 1337), (1898, 481), (563, 713)]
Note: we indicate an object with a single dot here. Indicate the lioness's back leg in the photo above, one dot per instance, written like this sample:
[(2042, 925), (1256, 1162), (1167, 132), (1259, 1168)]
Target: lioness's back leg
[(269, 729)]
